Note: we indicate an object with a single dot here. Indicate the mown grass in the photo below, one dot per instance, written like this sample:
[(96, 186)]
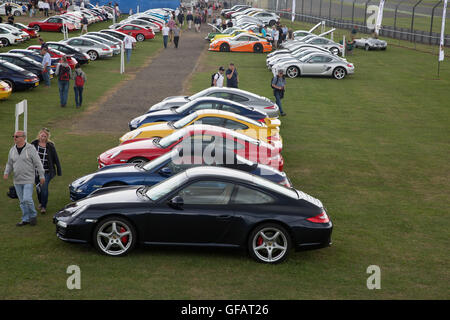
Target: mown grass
[(373, 147)]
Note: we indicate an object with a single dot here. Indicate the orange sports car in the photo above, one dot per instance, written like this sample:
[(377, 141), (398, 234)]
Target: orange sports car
[(243, 42)]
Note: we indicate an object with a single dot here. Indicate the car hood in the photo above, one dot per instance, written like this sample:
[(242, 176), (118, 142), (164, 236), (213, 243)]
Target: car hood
[(112, 195), (161, 129)]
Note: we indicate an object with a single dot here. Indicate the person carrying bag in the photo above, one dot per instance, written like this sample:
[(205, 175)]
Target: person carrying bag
[(278, 85)]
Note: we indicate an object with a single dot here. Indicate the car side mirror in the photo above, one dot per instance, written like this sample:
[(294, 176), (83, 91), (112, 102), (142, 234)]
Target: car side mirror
[(176, 202), (165, 172)]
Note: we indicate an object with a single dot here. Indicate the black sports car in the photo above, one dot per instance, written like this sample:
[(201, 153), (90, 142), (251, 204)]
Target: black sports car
[(207, 206)]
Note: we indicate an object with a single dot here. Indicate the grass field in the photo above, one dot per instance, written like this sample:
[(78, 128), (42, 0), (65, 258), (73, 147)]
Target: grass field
[(373, 147)]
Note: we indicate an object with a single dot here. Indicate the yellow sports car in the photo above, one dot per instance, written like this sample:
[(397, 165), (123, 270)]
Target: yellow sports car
[(5, 90), (267, 131)]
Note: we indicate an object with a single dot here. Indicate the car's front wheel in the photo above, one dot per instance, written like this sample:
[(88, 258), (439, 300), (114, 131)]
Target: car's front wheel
[(138, 160), (37, 28), (367, 47), (269, 243), (17, 13), (114, 236), (10, 83), (334, 51), (292, 72)]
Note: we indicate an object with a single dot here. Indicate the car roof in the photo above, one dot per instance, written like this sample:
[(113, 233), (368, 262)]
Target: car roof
[(228, 114), (221, 100)]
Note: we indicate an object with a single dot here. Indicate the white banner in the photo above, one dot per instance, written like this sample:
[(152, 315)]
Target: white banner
[(293, 11), (441, 43), (379, 17)]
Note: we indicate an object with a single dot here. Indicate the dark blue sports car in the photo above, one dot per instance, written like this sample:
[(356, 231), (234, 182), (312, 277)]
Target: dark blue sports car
[(202, 206), (23, 62), (175, 113), (17, 77), (161, 168)]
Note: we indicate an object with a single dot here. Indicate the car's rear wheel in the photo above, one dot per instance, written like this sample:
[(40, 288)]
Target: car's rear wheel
[(258, 48), (293, 72), (272, 22), (10, 83), (367, 47), (269, 243), (224, 47), (140, 37), (114, 236), (4, 41), (92, 55), (17, 13), (339, 73), (138, 160)]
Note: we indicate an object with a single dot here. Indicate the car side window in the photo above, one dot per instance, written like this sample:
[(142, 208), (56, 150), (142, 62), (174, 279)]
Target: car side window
[(87, 43), (202, 106), (244, 195), (207, 193), (223, 95), (214, 121), (238, 98), (230, 109), (234, 125)]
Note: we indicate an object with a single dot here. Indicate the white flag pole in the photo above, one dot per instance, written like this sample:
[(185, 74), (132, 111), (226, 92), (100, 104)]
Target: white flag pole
[(122, 58), (441, 42), (293, 11), (379, 17)]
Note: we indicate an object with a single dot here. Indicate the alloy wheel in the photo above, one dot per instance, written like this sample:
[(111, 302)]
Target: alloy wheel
[(114, 237), (339, 73), (270, 244), (292, 72)]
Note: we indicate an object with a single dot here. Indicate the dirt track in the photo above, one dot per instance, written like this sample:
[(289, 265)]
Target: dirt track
[(165, 76)]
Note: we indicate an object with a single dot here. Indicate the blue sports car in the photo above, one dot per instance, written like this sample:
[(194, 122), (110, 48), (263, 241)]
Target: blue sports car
[(176, 113), (163, 167), (35, 56)]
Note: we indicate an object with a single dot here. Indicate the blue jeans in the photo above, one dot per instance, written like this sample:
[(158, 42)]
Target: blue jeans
[(165, 40), (42, 191), (128, 52), (277, 94), (78, 95), (63, 91), (46, 77), (25, 195)]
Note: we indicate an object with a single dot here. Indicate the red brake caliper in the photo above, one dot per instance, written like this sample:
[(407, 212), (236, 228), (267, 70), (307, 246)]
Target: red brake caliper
[(260, 241), (124, 239)]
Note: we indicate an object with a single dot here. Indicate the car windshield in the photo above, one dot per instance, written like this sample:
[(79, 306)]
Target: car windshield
[(166, 186), (149, 166), (184, 121), (185, 107), (170, 139), (198, 94)]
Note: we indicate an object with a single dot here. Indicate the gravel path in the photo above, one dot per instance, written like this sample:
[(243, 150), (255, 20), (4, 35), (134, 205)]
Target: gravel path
[(164, 76)]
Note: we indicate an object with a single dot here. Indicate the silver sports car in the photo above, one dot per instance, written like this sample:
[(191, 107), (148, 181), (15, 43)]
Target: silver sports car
[(93, 48), (316, 64), (370, 44), (244, 97)]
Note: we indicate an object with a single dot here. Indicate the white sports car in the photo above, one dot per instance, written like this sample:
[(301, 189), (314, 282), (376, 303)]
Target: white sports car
[(370, 44)]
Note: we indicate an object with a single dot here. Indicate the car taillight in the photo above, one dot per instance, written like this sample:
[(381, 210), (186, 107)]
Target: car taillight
[(350, 65), (286, 183), (105, 49), (271, 107), (30, 80), (321, 218), (262, 120)]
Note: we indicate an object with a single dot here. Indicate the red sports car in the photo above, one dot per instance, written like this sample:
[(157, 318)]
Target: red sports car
[(195, 136), (56, 54), (138, 32), (31, 32), (51, 24)]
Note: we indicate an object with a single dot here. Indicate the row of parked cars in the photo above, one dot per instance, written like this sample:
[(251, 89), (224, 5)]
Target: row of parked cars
[(204, 169), (21, 69), (245, 34), (310, 54)]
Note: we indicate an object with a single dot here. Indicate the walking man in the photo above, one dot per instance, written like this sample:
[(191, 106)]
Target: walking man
[(278, 84), (165, 33), (176, 35), (46, 63), (129, 43), (64, 74), (24, 160), (232, 76), (218, 78), (84, 25)]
